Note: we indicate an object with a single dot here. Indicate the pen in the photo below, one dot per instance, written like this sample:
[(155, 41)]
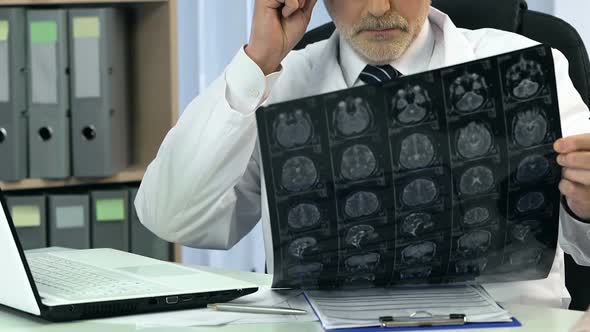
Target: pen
[(255, 309)]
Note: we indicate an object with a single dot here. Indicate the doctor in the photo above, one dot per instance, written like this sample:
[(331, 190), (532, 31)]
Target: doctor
[(204, 187)]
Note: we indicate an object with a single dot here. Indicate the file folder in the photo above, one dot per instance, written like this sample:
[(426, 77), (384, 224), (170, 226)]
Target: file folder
[(110, 224), (13, 98), (98, 58), (28, 214), (48, 94), (69, 221), (144, 242)]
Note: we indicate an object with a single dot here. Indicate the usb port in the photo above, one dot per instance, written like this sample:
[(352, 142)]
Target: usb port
[(186, 298), (171, 299)]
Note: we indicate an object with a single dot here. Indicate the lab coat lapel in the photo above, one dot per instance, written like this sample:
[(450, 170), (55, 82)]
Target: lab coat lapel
[(327, 76), (451, 46)]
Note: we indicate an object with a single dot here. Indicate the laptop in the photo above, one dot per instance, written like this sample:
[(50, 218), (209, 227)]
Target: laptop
[(64, 285)]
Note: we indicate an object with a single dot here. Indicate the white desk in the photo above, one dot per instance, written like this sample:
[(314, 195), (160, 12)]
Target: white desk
[(533, 319)]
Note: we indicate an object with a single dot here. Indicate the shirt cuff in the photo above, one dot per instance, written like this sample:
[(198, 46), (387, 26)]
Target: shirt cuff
[(571, 213), (246, 86)]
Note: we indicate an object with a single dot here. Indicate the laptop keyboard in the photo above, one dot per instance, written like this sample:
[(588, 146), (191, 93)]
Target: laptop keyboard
[(73, 280)]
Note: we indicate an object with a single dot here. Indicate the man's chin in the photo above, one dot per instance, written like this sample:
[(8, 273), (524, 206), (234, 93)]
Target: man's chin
[(379, 52)]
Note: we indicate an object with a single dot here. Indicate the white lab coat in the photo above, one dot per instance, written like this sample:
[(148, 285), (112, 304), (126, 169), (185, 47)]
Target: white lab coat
[(204, 188)]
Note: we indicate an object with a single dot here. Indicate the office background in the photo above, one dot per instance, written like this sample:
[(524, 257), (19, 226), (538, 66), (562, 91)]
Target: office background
[(208, 37)]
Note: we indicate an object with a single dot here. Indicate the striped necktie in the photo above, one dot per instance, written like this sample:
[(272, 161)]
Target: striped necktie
[(377, 74)]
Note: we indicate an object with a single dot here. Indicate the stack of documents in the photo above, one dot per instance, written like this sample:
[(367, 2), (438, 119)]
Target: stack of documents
[(363, 308)]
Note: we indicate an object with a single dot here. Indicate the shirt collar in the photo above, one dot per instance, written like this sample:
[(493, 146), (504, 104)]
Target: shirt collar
[(416, 59)]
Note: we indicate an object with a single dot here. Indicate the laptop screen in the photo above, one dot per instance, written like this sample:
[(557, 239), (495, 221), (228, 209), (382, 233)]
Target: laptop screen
[(17, 289)]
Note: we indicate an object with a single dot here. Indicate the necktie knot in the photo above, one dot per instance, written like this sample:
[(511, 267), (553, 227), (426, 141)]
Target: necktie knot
[(377, 74)]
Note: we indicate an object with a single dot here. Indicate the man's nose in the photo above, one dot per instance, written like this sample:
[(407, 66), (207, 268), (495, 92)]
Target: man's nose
[(379, 7)]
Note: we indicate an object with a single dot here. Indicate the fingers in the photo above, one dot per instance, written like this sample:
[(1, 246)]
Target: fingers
[(579, 176), (579, 160), (573, 143), (290, 6), (576, 193)]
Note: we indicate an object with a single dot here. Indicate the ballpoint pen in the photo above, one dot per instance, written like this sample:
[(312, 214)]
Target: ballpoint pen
[(243, 308)]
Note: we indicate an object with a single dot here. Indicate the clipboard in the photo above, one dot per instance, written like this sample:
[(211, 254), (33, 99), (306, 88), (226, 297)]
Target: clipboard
[(429, 323)]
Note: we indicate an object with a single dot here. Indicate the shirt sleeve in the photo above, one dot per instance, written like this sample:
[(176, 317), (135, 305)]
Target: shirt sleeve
[(247, 87)]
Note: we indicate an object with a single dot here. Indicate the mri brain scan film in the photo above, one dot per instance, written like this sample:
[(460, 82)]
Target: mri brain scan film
[(411, 104), (353, 117), (476, 180), (417, 151), (299, 174), (303, 216), (525, 79), (360, 204), (358, 162), (293, 129), (469, 92), (474, 140), (443, 176)]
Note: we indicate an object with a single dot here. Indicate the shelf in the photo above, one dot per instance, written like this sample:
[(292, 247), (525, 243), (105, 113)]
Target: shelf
[(131, 174), (69, 2)]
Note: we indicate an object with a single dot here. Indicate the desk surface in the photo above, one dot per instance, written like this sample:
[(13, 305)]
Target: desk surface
[(533, 319)]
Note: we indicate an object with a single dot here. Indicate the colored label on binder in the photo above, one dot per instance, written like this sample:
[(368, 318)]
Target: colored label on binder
[(69, 217), (26, 216), (4, 29), (109, 210), (44, 32), (86, 27)]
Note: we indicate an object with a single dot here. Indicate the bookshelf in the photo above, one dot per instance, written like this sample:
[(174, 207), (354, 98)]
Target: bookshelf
[(154, 86)]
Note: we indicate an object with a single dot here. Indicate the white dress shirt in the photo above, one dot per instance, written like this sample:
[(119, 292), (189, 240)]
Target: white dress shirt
[(204, 188)]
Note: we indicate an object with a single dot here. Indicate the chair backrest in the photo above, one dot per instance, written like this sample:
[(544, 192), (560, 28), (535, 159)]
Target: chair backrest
[(514, 16)]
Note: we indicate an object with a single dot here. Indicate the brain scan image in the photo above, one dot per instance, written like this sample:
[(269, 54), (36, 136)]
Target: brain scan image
[(411, 105), (361, 278), (521, 232), (417, 222), (469, 92), (476, 216), (358, 162), (358, 234), (293, 129), (530, 128), (525, 79), (361, 204), (474, 140), (353, 117), (305, 271), (476, 242), (420, 253), (530, 201), (476, 180), (471, 266), (419, 192), (416, 273), (299, 174), (532, 168), (303, 216), (298, 247), (417, 151), (526, 256), (362, 263)]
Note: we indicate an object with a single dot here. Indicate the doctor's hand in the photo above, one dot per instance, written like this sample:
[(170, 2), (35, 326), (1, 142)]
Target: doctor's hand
[(278, 26), (574, 156)]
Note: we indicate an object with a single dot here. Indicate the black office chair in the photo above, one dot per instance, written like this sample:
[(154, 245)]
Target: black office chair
[(514, 16)]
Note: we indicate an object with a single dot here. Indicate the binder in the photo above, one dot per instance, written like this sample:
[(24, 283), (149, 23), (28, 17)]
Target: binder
[(110, 219), (98, 62), (28, 214), (48, 94), (69, 221), (13, 98), (144, 242)]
